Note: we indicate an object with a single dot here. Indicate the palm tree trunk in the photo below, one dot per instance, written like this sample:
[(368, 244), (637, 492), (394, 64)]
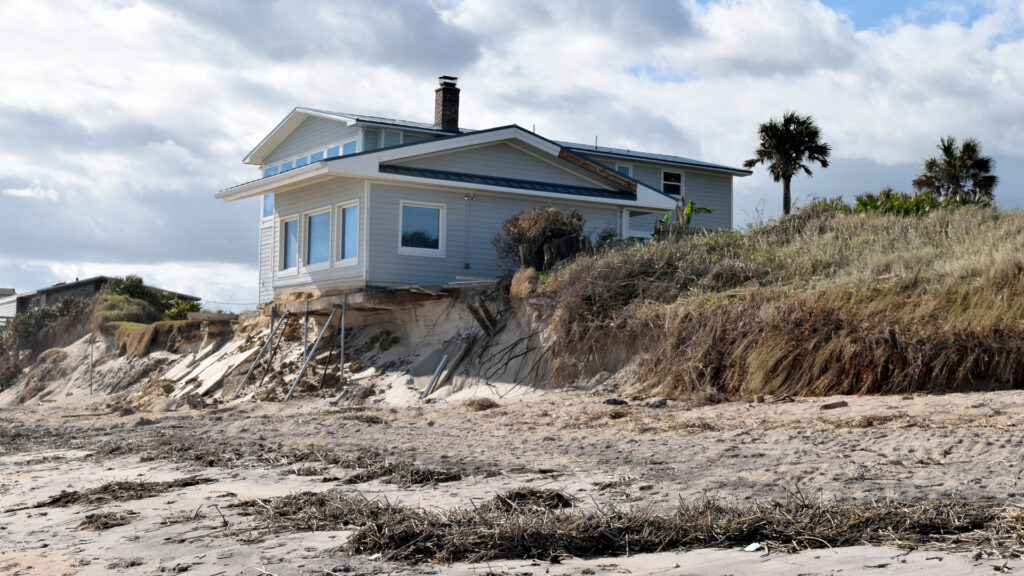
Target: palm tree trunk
[(785, 196)]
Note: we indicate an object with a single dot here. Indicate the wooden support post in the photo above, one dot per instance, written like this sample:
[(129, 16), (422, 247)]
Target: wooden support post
[(433, 379), (487, 313), (311, 354), (270, 338), (305, 332), (479, 317), (341, 329), (92, 336)]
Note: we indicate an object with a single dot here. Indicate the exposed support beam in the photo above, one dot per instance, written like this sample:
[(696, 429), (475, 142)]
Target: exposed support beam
[(601, 171)]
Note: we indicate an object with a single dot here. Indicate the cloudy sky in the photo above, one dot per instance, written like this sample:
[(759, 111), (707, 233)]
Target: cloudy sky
[(120, 119)]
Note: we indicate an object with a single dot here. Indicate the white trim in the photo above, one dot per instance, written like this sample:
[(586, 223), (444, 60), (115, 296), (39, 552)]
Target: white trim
[(682, 181), (304, 261), (364, 236), (339, 234), (439, 252), (624, 165), (281, 244)]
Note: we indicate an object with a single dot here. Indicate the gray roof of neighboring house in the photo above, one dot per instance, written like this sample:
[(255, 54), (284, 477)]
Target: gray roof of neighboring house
[(97, 279), (506, 182), (662, 158)]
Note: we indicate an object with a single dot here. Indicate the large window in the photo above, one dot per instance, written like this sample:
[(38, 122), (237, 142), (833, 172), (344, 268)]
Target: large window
[(672, 183), (348, 233), (268, 205), (318, 238), (422, 229), (289, 244)]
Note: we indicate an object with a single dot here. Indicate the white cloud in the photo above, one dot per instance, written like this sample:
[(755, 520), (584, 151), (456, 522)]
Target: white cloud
[(34, 192), (138, 111)]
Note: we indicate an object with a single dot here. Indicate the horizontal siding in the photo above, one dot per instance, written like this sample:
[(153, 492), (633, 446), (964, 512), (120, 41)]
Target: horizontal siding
[(8, 307), (463, 244), (308, 199), (650, 175), (314, 133), (266, 289), (710, 191), (501, 160)]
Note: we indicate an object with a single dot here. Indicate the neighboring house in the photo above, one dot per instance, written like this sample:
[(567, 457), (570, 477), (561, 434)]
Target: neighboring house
[(353, 201), (17, 304), (8, 305)]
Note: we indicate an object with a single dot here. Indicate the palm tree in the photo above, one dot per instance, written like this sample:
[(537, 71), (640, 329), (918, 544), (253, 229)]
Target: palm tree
[(787, 144), (958, 172)]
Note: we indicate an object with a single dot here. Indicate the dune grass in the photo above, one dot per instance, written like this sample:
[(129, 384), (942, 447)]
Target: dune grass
[(817, 303)]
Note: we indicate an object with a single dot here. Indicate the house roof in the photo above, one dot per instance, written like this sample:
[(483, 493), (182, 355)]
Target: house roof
[(97, 279), (300, 113), (649, 156), (506, 182)]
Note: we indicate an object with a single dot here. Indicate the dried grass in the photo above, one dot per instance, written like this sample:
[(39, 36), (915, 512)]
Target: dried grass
[(106, 520), (119, 490), (496, 530), (816, 304)]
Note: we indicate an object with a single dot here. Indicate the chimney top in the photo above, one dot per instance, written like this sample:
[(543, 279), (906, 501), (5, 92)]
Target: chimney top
[(446, 104)]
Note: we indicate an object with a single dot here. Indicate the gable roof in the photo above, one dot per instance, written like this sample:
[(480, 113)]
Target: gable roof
[(300, 113)]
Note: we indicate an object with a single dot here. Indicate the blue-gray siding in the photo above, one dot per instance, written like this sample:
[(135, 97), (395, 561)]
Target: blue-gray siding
[(470, 225), (297, 204), (266, 261), (311, 135)]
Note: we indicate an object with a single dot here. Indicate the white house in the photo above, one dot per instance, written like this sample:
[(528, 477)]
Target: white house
[(353, 201)]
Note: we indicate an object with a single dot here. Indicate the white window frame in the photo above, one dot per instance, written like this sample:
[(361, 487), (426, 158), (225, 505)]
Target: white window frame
[(682, 181), (309, 153), (304, 240), (339, 215), (263, 207), (623, 165), (439, 252), (281, 270)]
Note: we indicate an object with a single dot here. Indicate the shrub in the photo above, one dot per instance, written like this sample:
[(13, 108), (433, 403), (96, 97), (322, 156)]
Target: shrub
[(120, 308), (522, 239), (42, 328), (180, 308)]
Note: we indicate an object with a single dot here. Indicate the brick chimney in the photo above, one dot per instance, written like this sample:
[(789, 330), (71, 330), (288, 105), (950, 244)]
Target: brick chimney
[(446, 104)]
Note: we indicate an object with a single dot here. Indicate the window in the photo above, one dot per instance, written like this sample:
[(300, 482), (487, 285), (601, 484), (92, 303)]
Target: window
[(268, 205), (286, 166), (318, 238), (422, 229), (302, 162), (316, 156), (672, 183), (624, 169), (349, 147), (271, 171), (334, 152), (289, 244), (348, 233)]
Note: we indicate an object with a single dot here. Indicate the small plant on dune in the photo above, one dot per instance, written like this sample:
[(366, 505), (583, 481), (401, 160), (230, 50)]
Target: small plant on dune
[(180, 309)]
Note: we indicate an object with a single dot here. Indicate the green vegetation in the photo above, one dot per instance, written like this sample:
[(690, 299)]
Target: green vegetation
[(787, 145), (825, 301), (128, 299), (958, 172)]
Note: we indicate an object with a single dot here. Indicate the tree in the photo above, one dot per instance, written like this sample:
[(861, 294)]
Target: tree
[(959, 172), (787, 145)]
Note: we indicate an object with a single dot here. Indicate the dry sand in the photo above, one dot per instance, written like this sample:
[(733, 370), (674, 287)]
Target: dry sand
[(966, 446)]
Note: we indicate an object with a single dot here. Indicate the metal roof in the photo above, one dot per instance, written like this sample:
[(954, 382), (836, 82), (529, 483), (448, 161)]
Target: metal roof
[(506, 182), (663, 158), (368, 119)]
